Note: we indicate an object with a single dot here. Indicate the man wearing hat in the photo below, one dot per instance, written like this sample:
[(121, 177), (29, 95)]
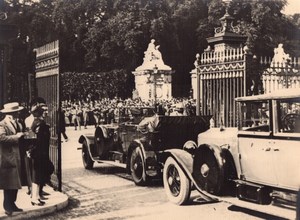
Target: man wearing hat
[(10, 165)]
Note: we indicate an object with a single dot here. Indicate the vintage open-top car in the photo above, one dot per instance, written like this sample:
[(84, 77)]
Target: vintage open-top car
[(259, 161), (128, 143)]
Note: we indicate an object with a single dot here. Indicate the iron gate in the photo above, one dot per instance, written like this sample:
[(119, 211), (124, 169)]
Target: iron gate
[(222, 78), (47, 82)]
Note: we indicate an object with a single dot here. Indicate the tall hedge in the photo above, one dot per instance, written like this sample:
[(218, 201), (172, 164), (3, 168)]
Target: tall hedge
[(96, 84)]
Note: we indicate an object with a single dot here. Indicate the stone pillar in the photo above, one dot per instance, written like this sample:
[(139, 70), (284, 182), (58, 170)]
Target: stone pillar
[(194, 82)]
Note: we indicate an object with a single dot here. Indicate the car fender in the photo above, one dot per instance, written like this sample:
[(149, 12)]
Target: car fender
[(183, 158), (186, 160), (89, 138), (104, 131)]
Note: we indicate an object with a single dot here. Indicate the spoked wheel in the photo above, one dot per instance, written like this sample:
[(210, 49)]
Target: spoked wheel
[(88, 163), (207, 173), (137, 167), (176, 184)]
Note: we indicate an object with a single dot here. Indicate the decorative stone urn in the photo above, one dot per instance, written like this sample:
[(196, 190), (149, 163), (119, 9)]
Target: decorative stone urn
[(153, 79)]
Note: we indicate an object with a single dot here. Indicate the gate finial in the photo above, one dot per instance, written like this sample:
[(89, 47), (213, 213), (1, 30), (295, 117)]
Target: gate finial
[(227, 21)]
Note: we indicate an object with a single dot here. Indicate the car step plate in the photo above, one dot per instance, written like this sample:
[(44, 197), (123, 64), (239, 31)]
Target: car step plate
[(114, 163)]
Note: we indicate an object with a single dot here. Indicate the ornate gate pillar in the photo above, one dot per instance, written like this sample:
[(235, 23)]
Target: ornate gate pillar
[(221, 73), (153, 79)]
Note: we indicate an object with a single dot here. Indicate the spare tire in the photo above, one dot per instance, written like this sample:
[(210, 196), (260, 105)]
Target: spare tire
[(207, 172)]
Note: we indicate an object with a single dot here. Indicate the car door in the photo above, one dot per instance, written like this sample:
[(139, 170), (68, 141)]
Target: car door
[(256, 158), (286, 143), (287, 163), (254, 143)]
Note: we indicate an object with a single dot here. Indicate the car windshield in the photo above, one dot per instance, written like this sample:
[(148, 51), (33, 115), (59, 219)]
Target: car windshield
[(255, 116), (133, 115)]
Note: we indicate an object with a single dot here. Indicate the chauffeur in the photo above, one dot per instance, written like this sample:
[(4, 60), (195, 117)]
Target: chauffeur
[(10, 165)]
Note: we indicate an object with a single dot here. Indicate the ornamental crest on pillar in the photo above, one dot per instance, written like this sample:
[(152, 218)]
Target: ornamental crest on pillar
[(152, 58), (227, 21)]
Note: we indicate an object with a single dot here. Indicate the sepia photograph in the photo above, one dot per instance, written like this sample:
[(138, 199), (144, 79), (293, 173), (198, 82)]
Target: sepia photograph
[(149, 109)]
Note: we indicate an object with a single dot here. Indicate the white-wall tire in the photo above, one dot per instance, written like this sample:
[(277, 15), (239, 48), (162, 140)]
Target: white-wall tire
[(177, 185)]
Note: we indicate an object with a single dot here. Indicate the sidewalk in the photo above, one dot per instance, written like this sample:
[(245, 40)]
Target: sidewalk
[(56, 201)]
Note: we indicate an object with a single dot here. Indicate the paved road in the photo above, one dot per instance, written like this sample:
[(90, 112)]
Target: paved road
[(108, 193)]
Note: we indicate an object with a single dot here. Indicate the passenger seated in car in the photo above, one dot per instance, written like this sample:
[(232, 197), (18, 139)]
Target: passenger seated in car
[(149, 123)]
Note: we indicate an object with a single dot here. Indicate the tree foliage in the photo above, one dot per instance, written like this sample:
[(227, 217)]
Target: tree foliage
[(110, 36)]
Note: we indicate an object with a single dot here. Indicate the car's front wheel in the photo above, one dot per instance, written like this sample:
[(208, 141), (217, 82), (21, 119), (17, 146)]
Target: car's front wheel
[(137, 167), (176, 184), (88, 163)]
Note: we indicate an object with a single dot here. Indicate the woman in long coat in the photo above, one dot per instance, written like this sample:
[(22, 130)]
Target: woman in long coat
[(39, 154)]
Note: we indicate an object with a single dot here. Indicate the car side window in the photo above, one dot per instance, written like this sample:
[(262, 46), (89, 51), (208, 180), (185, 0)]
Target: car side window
[(255, 116), (289, 116)]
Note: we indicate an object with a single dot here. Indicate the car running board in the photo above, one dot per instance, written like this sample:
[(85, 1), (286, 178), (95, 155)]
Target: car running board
[(114, 163)]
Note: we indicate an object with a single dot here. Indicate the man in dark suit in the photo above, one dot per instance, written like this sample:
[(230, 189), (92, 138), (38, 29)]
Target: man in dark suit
[(10, 165)]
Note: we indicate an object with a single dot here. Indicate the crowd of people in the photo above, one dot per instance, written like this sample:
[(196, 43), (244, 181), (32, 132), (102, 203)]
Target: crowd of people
[(104, 111)]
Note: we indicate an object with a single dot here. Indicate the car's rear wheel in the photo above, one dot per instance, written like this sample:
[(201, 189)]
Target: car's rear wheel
[(207, 172), (88, 163), (176, 184), (137, 167)]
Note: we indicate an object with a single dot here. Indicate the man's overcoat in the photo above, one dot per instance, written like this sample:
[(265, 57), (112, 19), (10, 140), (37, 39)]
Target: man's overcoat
[(10, 166)]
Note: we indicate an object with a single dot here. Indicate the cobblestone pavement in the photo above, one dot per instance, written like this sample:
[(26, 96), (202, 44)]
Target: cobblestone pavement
[(108, 193)]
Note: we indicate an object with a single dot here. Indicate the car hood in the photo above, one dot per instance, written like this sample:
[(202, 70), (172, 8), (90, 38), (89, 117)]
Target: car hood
[(217, 137)]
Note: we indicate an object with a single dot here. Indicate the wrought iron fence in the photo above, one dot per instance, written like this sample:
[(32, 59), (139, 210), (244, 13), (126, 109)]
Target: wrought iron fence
[(280, 74), (222, 78)]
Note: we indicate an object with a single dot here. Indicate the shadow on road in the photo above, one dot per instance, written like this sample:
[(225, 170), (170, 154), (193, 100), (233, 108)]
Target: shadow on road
[(258, 214)]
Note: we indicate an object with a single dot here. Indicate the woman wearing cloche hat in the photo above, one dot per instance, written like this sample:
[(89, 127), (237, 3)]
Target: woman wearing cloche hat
[(10, 166)]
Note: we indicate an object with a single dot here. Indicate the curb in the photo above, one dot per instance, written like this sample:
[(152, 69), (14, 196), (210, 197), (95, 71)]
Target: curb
[(56, 201)]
